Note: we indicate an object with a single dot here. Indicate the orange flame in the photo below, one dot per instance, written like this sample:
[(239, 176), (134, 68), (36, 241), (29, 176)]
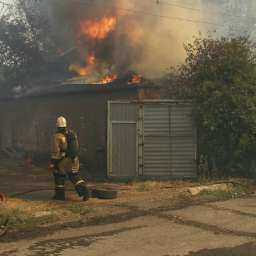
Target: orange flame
[(136, 79), (108, 79), (98, 30), (81, 71), (95, 30), (91, 60), (84, 71)]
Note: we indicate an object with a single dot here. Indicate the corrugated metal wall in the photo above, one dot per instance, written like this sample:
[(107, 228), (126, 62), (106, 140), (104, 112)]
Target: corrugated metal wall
[(157, 145), (183, 141), (152, 139)]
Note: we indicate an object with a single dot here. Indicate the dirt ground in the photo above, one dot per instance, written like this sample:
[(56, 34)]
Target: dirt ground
[(209, 229), (147, 218), (30, 190)]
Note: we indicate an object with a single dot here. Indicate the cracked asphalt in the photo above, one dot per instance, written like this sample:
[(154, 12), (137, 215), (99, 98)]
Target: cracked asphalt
[(221, 228)]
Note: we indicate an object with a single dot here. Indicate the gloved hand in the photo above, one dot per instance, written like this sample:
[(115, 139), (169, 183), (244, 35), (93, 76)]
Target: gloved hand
[(53, 165), (73, 159)]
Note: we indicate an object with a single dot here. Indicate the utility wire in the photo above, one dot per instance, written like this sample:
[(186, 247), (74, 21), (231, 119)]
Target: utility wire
[(169, 17), (174, 4), (160, 2), (139, 12)]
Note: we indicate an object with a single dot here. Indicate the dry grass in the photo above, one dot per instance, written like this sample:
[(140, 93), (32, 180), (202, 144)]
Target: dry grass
[(25, 214)]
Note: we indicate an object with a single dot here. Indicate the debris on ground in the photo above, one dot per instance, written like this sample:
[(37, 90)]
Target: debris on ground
[(226, 187)]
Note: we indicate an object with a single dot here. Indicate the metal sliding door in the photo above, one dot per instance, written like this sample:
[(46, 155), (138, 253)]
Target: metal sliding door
[(151, 139), (122, 139)]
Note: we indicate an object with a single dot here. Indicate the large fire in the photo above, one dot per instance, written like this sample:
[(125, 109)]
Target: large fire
[(93, 40), (92, 31), (136, 79), (91, 59), (98, 29), (84, 71), (108, 79)]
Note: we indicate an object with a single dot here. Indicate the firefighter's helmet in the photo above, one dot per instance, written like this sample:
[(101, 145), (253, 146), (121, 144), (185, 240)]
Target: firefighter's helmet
[(61, 122)]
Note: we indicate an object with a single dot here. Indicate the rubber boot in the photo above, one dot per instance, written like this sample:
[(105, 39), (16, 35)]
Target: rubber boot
[(80, 185), (59, 180), (83, 191), (59, 194)]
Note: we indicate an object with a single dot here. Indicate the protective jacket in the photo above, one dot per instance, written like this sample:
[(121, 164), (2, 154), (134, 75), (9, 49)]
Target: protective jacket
[(61, 160)]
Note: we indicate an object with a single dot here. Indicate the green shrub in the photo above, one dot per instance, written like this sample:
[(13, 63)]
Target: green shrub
[(219, 75)]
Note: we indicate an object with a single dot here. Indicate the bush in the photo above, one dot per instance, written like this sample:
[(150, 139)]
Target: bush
[(219, 75)]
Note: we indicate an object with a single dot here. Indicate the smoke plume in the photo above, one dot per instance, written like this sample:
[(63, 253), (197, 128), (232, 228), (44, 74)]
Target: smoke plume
[(147, 36)]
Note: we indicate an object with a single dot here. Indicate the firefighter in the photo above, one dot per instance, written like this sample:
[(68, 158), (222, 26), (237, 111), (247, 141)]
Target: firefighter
[(65, 161)]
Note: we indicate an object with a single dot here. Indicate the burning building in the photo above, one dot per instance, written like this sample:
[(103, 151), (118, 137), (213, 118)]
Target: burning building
[(121, 134), (108, 57), (101, 41)]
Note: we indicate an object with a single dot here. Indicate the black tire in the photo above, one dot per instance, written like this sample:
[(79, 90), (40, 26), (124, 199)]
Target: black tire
[(93, 193), (87, 194), (104, 193)]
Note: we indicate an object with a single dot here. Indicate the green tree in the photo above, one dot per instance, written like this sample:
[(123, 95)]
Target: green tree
[(20, 56), (219, 75), (26, 50)]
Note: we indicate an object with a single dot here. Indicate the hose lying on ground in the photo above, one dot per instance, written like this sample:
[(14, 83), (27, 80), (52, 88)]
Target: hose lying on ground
[(32, 191), (104, 193)]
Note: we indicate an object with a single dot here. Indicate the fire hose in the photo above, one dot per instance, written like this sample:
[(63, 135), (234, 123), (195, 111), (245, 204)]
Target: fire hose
[(104, 193), (98, 193)]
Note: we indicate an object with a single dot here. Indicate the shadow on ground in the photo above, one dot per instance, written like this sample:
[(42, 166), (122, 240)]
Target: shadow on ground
[(248, 249)]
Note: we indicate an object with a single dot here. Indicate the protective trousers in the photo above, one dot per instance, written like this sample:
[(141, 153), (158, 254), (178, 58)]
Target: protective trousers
[(59, 180), (76, 179), (66, 166), (79, 184)]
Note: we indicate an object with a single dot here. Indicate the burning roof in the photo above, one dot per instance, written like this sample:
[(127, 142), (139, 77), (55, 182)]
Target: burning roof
[(92, 61), (95, 63), (108, 41), (130, 78)]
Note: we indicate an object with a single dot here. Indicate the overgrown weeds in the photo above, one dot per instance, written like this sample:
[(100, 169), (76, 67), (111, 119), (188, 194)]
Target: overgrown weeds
[(236, 191)]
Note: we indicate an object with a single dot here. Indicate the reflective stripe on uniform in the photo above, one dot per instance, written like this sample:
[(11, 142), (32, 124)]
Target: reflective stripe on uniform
[(59, 186), (79, 182)]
